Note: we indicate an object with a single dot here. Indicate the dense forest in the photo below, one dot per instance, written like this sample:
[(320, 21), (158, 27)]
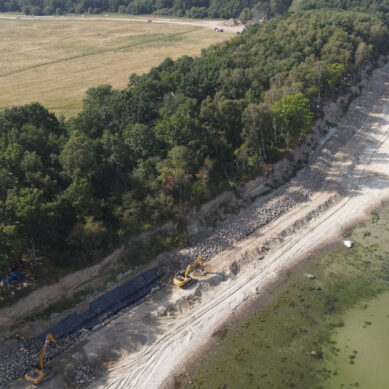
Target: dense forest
[(242, 9), (174, 137), (189, 8)]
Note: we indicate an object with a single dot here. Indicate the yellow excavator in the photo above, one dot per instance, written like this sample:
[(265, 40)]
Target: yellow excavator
[(183, 278), (35, 375)]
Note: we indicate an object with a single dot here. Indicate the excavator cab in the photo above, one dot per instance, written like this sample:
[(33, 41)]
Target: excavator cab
[(184, 278), (179, 279), (36, 375)]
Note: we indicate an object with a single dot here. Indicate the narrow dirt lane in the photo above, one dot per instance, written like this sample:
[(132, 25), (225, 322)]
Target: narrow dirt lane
[(208, 24)]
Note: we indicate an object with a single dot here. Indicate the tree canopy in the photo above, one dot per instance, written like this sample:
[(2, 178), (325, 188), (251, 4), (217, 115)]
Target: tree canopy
[(247, 9)]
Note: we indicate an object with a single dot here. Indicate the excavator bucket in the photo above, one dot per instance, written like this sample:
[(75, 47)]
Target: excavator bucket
[(181, 280)]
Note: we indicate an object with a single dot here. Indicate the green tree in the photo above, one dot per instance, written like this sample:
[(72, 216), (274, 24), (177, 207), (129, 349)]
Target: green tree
[(141, 140), (88, 235), (176, 171), (245, 15), (332, 73), (257, 120), (80, 197), (293, 117), (31, 217), (363, 55), (180, 128), (278, 7), (13, 156), (79, 157)]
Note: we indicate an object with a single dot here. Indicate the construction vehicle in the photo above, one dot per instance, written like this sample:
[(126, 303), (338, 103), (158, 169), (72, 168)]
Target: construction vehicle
[(183, 278), (35, 376)]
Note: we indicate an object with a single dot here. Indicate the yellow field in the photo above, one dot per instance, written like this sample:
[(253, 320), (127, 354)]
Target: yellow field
[(56, 61)]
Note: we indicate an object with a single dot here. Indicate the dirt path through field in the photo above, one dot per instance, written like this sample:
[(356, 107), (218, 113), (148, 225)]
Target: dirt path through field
[(208, 24), (144, 346)]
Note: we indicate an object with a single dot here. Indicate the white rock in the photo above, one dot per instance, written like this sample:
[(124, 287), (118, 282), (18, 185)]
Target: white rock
[(155, 289), (348, 243)]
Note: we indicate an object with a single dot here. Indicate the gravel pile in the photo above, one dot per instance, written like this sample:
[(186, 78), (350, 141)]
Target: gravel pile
[(84, 374), (256, 216)]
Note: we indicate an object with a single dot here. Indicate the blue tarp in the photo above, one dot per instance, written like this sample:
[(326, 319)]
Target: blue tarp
[(106, 305), (13, 278)]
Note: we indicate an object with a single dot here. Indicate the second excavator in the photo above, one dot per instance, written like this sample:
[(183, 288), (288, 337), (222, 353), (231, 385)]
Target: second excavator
[(35, 376), (183, 279)]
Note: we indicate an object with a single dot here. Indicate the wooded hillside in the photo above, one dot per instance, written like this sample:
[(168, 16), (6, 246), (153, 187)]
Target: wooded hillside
[(174, 137)]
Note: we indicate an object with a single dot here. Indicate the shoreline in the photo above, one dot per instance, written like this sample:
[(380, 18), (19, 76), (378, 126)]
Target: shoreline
[(270, 293)]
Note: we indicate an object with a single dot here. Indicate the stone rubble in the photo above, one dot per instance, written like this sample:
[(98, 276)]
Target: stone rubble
[(14, 363), (84, 374)]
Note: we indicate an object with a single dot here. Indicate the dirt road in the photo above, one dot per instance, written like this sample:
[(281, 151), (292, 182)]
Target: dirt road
[(145, 345), (208, 24)]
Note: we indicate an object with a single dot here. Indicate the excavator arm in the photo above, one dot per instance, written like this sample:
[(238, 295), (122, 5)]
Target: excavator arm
[(49, 338), (182, 280), (35, 376), (193, 264)]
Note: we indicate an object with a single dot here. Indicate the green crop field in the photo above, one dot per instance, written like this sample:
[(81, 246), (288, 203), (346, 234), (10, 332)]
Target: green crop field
[(55, 61)]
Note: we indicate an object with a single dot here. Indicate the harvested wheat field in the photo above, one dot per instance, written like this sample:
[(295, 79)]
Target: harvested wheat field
[(55, 60)]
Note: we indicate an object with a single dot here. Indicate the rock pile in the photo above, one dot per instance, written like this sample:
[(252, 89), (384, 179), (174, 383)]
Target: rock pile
[(14, 363), (84, 374)]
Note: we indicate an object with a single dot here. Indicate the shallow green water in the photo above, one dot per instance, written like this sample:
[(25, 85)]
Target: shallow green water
[(363, 357), (306, 334)]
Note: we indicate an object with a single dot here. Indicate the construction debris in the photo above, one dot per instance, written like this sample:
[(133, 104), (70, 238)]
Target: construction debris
[(84, 374)]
